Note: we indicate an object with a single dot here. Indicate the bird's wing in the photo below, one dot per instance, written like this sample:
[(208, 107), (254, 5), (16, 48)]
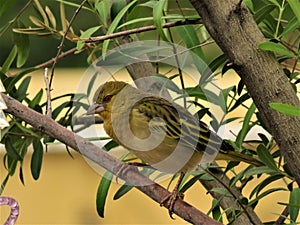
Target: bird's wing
[(179, 125)]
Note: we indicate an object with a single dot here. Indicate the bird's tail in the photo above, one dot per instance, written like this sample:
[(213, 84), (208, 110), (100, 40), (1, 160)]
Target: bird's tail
[(237, 156)]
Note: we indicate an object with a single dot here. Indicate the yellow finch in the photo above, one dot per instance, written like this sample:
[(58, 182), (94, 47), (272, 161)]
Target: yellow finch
[(159, 132)]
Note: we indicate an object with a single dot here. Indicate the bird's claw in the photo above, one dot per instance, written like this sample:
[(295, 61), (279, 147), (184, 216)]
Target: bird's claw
[(170, 199)]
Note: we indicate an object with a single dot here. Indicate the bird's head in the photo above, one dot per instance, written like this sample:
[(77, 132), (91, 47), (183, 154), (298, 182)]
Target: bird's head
[(104, 98)]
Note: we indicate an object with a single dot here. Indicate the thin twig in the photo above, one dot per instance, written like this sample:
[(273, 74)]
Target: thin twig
[(48, 90), (16, 17), (63, 40), (136, 30), (51, 61)]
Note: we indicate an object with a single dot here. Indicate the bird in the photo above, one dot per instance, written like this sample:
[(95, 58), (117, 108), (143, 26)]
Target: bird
[(161, 133)]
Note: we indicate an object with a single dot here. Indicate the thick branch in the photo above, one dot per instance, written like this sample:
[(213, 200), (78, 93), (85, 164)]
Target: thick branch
[(233, 28), (102, 158)]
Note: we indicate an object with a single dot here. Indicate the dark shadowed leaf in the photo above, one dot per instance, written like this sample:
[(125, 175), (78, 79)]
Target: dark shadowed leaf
[(122, 191), (294, 204), (37, 159), (102, 192)]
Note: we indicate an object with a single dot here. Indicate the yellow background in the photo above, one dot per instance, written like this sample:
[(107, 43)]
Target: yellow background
[(66, 190)]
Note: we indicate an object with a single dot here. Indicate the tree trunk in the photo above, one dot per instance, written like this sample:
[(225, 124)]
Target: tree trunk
[(233, 28)]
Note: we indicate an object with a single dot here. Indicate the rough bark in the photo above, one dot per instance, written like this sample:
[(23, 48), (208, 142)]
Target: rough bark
[(233, 28), (230, 204)]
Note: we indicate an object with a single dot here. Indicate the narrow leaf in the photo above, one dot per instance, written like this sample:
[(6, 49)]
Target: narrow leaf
[(22, 89), (276, 48), (222, 192), (114, 25), (295, 6), (102, 192), (190, 38), (266, 157), (263, 12), (36, 159), (22, 43), (9, 60), (86, 34), (37, 99), (289, 110), (294, 200), (246, 126), (103, 10), (158, 10), (122, 191)]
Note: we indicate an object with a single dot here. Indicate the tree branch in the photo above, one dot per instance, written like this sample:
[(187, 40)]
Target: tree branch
[(102, 158), (233, 28), (137, 30)]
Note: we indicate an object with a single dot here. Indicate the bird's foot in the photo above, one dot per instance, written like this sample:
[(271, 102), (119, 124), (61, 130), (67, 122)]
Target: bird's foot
[(170, 199)]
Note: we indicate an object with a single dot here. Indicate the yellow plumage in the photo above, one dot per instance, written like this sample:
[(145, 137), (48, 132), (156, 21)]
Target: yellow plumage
[(161, 133)]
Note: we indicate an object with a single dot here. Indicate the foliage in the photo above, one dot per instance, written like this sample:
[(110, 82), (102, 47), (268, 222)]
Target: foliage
[(278, 20)]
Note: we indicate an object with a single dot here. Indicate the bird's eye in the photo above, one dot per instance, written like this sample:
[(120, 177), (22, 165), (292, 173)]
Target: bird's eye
[(107, 98)]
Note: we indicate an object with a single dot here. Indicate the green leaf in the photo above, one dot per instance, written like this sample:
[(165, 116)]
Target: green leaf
[(166, 82), (276, 48), (109, 145), (259, 170), (25, 129), (74, 5), (86, 34), (21, 175), (58, 109), (116, 7), (158, 10), (10, 85), (275, 2), (9, 60), (265, 156), (216, 210), (291, 26), (122, 191), (263, 12), (221, 191), (22, 89), (36, 100), (212, 67), (190, 38), (36, 159), (264, 183), (103, 10), (5, 5), (114, 25), (294, 200), (264, 194), (11, 150), (239, 101), (286, 109), (246, 126), (190, 183), (102, 192), (91, 84), (295, 6), (22, 43)]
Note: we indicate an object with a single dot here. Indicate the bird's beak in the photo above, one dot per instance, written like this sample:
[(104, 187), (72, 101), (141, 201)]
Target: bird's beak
[(95, 109)]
